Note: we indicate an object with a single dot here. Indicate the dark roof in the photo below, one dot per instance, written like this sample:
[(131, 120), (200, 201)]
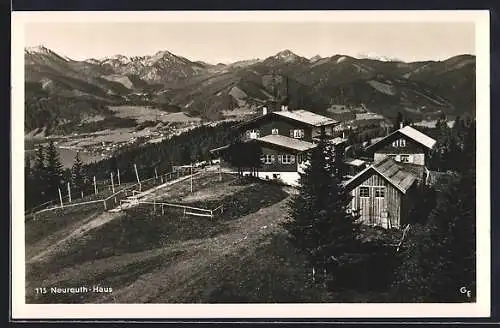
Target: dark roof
[(411, 133), (397, 174)]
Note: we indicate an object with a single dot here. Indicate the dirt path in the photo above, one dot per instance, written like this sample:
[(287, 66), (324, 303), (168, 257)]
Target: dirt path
[(76, 233)]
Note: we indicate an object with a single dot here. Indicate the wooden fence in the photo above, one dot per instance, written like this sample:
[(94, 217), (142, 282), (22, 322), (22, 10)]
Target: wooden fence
[(110, 201), (186, 209)]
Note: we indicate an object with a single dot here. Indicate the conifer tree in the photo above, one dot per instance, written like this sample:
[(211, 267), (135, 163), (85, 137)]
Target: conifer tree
[(319, 223), (54, 170), (77, 174), (39, 174), (440, 256), (28, 184)]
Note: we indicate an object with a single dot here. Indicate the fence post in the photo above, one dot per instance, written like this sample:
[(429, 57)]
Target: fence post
[(104, 204), (112, 183), (191, 177), (118, 172), (162, 210), (60, 197), (95, 186), (69, 193), (137, 176), (82, 193)]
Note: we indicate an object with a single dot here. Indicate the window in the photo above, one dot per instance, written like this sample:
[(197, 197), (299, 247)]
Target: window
[(297, 133), (404, 158), (253, 134), (274, 131), (380, 192), (267, 159), (399, 143), (287, 159), (364, 192)]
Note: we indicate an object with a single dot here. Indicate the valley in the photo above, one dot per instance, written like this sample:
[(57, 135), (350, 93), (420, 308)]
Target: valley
[(63, 95)]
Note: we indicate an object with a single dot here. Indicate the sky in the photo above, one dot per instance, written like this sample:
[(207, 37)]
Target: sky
[(216, 42)]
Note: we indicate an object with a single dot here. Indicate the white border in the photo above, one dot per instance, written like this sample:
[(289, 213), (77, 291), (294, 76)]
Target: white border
[(20, 310)]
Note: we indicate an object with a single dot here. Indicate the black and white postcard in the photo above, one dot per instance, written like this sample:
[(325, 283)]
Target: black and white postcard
[(315, 164)]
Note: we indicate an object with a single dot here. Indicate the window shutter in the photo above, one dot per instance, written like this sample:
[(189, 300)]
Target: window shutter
[(280, 158), (272, 158), (410, 159), (247, 133), (291, 133), (263, 158), (302, 134), (292, 159)]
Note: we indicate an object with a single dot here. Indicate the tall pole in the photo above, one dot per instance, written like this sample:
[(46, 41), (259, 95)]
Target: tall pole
[(137, 176), (95, 186), (60, 197), (69, 193), (118, 171), (156, 174), (112, 183), (191, 177)]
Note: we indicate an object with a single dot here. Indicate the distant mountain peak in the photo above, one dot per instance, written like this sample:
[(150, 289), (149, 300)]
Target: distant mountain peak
[(42, 50), (375, 56), (286, 56), (38, 48), (315, 58)]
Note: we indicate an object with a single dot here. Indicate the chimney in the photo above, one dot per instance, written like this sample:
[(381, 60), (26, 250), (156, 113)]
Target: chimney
[(343, 134), (264, 110), (400, 125)]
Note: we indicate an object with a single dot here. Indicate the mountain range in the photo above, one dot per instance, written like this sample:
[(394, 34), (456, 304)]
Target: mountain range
[(59, 89)]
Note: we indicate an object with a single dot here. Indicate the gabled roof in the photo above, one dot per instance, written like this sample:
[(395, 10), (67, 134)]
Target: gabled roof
[(286, 142), (411, 133), (395, 173), (307, 117)]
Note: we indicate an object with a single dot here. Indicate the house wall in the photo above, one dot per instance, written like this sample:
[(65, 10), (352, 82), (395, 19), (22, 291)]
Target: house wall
[(316, 131), (276, 166), (289, 178), (411, 147), (283, 125), (372, 208), (414, 158)]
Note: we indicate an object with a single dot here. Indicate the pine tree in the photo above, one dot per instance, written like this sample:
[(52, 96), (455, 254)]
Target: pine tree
[(28, 184), (54, 170), (77, 174), (440, 257), (39, 174), (319, 223)]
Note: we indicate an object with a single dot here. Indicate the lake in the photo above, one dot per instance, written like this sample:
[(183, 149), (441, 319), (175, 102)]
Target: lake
[(67, 156)]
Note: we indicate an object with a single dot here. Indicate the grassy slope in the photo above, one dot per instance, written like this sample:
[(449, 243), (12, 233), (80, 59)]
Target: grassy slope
[(240, 256), (147, 257)]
